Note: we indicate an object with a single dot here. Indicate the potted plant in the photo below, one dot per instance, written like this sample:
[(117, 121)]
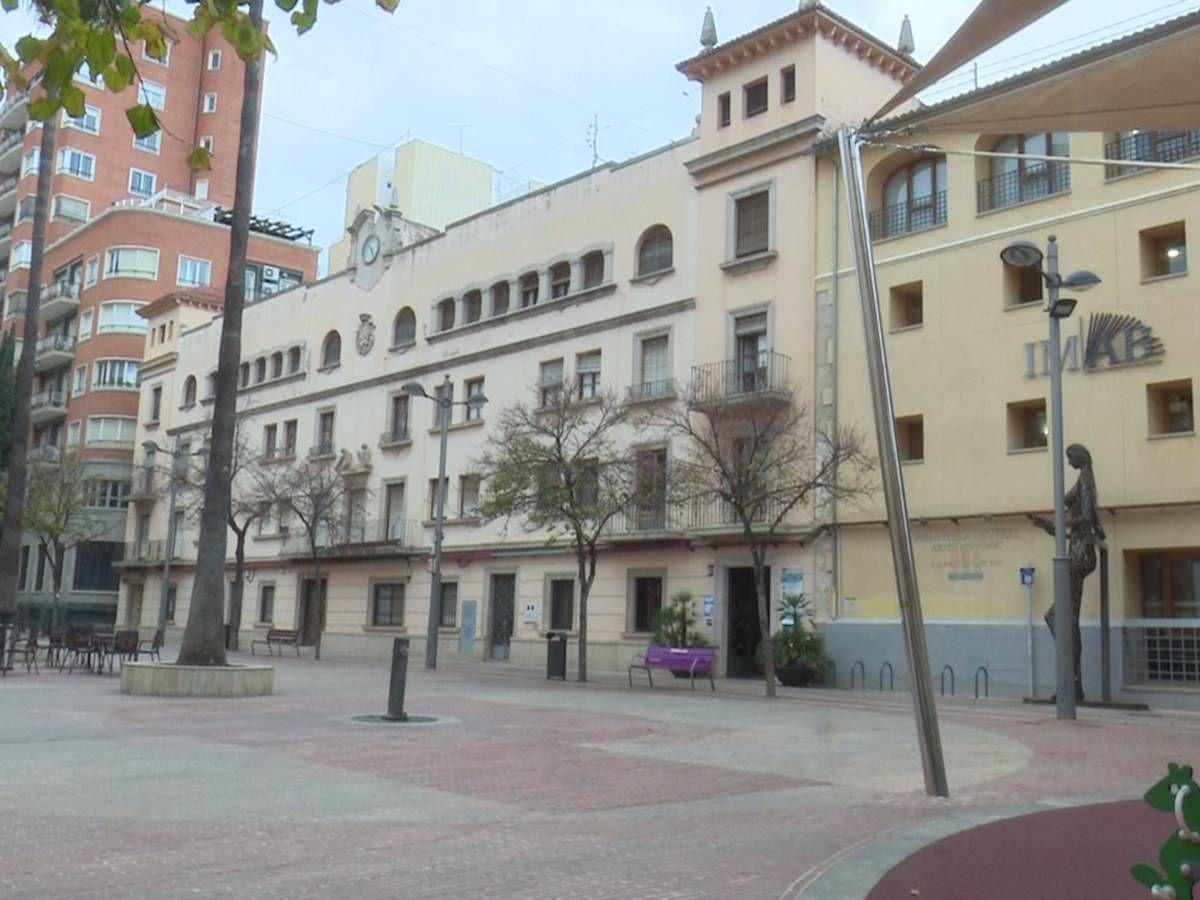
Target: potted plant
[(799, 651), (675, 626)]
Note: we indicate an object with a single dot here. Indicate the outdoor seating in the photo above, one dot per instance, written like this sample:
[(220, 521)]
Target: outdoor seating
[(278, 637), (25, 650), (5, 663), (56, 645), (78, 649), (691, 661), (151, 648), (121, 646)]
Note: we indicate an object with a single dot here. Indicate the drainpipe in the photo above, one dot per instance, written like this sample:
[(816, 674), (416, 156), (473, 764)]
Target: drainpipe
[(833, 299)]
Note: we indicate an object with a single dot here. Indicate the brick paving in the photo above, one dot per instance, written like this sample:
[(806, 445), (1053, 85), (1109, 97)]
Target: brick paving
[(525, 789)]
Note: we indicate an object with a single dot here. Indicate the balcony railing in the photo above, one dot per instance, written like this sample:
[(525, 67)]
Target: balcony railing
[(397, 435), (365, 538), (661, 389), (1151, 146), (1040, 179), (5, 231), (762, 375), (11, 139), (1162, 654), (45, 453), (153, 552), (60, 290), (44, 399), (322, 449), (905, 218), (648, 518), (145, 484), (8, 184), (56, 343)]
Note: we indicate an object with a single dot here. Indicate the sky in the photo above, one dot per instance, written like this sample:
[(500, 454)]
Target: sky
[(521, 83)]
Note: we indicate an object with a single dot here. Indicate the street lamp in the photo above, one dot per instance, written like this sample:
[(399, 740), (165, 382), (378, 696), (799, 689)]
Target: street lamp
[(152, 447), (444, 405), (1027, 255)]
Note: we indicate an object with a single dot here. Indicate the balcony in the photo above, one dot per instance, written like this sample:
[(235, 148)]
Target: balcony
[(907, 218), (46, 406), (152, 553), (53, 351), (395, 438), (322, 450), (1150, 146), (382, 537), (664, 519), (8, 196), (145, 486), (1038, 180), (10, 151), (45, 454), (57, 300), (642, 520), (14, 111), (758, 378), (6, 231), (652, 391)]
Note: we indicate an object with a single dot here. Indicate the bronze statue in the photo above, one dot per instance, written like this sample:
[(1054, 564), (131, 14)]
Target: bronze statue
[(1084, 531)]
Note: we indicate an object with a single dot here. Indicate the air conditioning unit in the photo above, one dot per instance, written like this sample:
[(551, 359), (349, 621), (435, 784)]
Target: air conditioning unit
[(270, 273)]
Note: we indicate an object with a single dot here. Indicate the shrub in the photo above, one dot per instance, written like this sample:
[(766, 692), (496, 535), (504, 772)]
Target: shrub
[(675, 623), (797, 648)]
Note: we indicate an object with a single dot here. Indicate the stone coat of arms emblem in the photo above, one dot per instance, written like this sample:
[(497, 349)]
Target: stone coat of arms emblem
[(364, 340)]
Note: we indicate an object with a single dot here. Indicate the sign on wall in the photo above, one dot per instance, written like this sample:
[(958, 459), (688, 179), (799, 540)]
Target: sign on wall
[(1111, 341)]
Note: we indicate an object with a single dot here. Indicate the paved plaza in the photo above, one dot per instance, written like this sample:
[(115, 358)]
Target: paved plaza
[(523, 788)]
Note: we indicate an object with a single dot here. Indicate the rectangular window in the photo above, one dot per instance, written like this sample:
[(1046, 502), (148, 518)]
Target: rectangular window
[(85, 324), (166, 58), (387, 605), (210, 102), (80, 383), (1170, 407), (107, 494), (121, 317), (270, 438), (651, 488), (207, 142), (654, 373), (131, 262), (325, 432), (393, 500), (214, 60), (755, 97), (153, 94), (562, 604), (474, 388), (74, 430), (550, 381), (24, 573), (449, 604), (114, 373), (70, 209), (40, 581), (141, 182), (724, 110), (89, 122), (468, 496), (92, 272), (266, 604), (77, 163), (25, 208), (398, 418), (433, 496), (907, 306), (1170, 584), (1027, 428), (444, 395), (193, 272), (289, 437), (155, 403), (150, 143), (560, 281), (22, 253), (911, 433), (1022, 285), (587, 371), (752, 224), (201, 192), (30, 161), (1164, 250), (647, 601), (787, 84), (94, 569)]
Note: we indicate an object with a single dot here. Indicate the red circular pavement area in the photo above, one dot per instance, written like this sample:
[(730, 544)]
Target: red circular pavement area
[(1084, 851)]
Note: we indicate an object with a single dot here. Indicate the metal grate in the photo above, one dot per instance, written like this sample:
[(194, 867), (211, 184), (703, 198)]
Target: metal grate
[(1162, 655), (1151, 146), (1035, 181)]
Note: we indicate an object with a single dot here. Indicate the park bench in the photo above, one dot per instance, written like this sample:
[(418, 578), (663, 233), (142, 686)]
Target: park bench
[(691, 660), (278, 637)]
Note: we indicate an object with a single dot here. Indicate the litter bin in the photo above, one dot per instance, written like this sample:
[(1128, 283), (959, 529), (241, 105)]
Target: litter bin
[(556, 655)]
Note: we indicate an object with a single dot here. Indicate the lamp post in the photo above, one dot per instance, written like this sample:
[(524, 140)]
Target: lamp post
[(444, 407), (1027, 255), (169, 549)]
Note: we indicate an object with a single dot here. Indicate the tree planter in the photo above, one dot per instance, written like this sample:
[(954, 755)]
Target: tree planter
[(797, 676), (152, 679)]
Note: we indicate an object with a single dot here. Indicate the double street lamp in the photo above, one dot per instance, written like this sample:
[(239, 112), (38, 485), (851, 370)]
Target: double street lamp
[(1028, 255), (445, 406), (176, 455)]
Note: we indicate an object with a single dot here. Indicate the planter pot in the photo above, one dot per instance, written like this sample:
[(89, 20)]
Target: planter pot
[(168, 680), (797, 676)]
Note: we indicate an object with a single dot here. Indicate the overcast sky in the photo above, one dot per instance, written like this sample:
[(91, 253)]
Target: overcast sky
[(519, 82)]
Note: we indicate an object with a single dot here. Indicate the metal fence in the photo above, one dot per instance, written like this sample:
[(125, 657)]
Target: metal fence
[(1150, 146), (51, 399), (1162, 654), (375, 536), (905, 218), (762, 373), (1035, 181), (663, 388)]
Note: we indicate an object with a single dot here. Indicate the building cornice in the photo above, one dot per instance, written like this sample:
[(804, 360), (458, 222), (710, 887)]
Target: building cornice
[(703, 165)]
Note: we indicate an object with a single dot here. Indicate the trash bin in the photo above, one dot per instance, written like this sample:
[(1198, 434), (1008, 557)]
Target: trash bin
[(556, 655)]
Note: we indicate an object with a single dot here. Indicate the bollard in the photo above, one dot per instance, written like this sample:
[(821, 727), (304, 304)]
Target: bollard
[(396, 711), (945, 669)]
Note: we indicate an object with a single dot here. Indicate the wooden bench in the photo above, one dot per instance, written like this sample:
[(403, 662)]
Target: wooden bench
[(692, 660), (278, 637)]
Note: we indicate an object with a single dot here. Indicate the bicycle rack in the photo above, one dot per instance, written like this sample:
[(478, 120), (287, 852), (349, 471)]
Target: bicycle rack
[(862, 670), (831, 670), (946, 669), (891, 676), (984, 670)]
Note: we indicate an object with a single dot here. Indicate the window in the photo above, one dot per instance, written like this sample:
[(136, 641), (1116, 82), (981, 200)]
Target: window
[(394, 510), (1015, 181), (560, 280), (270, 440), (111, 430), (22, 253), (472, 306), (244, 374), (398, 419), (166, 57), (755, 97), (277, 364), (325, 432), (214, 60), (1027, 428), (93, 272), (25, 208), (108, 494), (201, 192), (73, 433), (1022, 285), (655, 251), (787, 84), (907, 306), (289, 437), (593, 270), (499, 298), (468, 496), (752, 352), (752, 224), (210, 102), (443, 392), (70, 209), (1170, 406), (1163, 250), (131, 262), (474, 388), (387, 605), (587, 374), (550, 382), (150, 143), (724, 107), (193, 272), (1170, 583), (156, 403), (266, 604), (910, 431), (77, 163), (331, 350), (152, 93), (24, 567), (294, 360), (449, 604), (122, 317), (141, 182), (89, 121), (914, 197), (189, 391), (30, 161), (654, 372), (94, 566), (207, 142), (433, 497), (85, 324), (404, 331), (446, 314), (114, 374), (80, 383), (562, 604), (210, 385), (529, 289), (651, 487), (647, 601), (260, 370)]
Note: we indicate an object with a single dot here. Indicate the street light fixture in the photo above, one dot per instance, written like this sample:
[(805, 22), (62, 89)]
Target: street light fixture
[(1024, 255), (445, 405), (151, 447)]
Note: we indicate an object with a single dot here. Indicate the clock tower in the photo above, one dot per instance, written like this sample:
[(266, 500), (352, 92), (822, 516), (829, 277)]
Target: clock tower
[(376, 235)]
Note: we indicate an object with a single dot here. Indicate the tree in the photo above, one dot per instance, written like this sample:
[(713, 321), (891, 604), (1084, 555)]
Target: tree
[(59, 513), (8, 390), (756, 464), (315, 491), (562, 467)]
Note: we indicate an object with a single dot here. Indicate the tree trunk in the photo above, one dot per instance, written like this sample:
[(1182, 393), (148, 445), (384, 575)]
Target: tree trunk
[(235, 593), (56, 573), (18, 460), (585, 588), (764, 619), (320, 604), (203, 639)]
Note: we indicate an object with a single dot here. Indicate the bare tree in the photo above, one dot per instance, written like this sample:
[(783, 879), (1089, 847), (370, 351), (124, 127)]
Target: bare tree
[(59, 512), (560, 466), (756, 463)]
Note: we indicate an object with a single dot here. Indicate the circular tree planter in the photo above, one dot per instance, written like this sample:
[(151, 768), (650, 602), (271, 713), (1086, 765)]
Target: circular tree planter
[(153, 679)]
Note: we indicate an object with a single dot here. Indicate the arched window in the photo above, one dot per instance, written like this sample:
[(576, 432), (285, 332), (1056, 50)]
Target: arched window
[(189, 390), (560, 280), (593, 270), (244, 374), (529, 289), (331, 350), (294, 359), (404, 331), (260, 370), (656, 251), (499, 298), (1014, 181), (446, 314), (472, 306), (276, 364), (914, 197)]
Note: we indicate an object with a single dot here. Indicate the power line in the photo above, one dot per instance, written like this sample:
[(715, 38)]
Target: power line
[(324, 131), (333, 180)]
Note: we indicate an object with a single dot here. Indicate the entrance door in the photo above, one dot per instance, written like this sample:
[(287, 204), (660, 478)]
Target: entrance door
[(310, 611), (744, 632), (504, 589)]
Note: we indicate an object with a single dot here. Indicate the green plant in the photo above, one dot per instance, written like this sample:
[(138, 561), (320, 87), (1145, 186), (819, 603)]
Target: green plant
[(797, 608), (675, 623), (796, 648)]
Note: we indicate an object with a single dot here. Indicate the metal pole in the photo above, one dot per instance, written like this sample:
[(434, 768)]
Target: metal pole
[(1064, 631), (444, 407), (1029, 641), (921, 679), (399, 680), (1105, 647), (170, 548)]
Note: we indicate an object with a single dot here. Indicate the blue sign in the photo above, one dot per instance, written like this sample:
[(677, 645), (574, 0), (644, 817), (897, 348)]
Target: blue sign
[(1027, 576)]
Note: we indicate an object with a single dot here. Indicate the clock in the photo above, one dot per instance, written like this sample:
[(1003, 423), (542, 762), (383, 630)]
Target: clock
[(370, 249)]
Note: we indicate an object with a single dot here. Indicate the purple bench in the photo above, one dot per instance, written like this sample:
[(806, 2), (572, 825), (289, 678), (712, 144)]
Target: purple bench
[(692, 660)]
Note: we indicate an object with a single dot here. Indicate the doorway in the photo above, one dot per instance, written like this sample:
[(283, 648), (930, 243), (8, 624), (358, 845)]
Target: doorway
[(311, 610), (133, 605), (744, 632), (504, 589)]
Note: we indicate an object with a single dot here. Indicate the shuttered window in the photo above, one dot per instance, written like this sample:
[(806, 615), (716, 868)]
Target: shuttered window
[(752, 224)]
